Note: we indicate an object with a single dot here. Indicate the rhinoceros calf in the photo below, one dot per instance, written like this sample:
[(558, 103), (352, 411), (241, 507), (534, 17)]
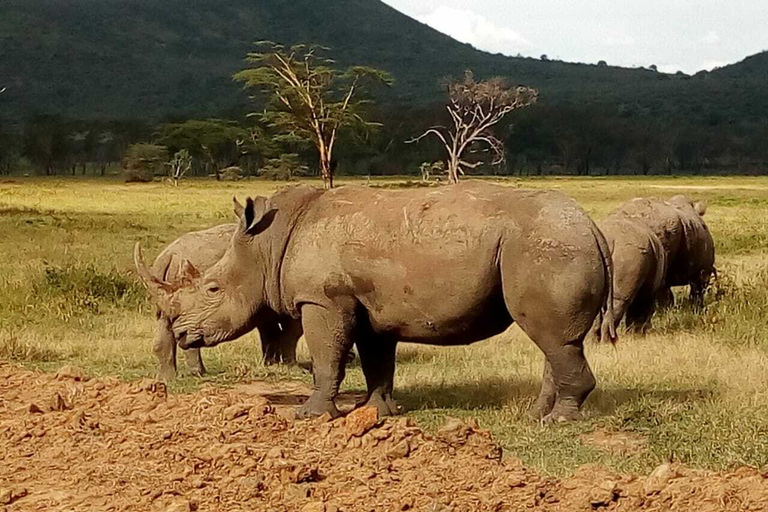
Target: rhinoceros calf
[(679, 225), (449, 266), (639, 268), (200, 250)]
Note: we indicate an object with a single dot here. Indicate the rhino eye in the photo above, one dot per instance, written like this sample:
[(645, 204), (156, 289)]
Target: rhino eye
[(212, 289)]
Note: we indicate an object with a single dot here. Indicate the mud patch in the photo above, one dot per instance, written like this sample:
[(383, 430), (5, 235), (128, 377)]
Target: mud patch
[(620, 443), (80, 444)]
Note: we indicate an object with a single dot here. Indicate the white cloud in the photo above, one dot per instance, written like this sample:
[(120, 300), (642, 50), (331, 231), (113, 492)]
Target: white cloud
[(709, 65), (618, 40), (670, 68), (711, 38), (469, 27)]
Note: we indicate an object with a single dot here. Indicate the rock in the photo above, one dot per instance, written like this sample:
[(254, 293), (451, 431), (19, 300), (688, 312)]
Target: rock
[(8, 496), (400, 450), (235, 411), (360, 421), (275, 453), (454, 431), (69, 372), (34, 409), (603, 495), (58, 403), (658, 479), (316, 506), (179, 506)]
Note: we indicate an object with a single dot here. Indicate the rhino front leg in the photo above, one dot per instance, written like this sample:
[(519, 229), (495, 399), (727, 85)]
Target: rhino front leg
[(377, 357), (328, 336), (164, 348), (194, 362)]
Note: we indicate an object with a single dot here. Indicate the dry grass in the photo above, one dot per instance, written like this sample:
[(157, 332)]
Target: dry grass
[(694, 388)]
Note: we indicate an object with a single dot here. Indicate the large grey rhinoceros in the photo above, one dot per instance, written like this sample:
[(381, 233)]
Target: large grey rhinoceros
[(201, 250), (679, 225), (446, 266), (639, 270)]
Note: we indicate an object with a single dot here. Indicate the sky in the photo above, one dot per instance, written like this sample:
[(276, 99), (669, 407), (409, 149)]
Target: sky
[(674, 35)]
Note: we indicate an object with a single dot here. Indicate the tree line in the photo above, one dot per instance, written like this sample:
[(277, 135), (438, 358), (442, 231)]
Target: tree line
[(311, 118)]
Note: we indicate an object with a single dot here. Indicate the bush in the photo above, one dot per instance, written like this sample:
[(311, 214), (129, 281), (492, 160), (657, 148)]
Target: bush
[(233, 173), (142, 162)]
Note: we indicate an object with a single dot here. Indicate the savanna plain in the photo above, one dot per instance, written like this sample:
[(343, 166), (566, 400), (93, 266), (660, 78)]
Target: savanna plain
[(693, 390)]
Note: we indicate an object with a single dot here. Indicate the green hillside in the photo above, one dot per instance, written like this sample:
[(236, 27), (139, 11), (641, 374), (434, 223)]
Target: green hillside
[(151, 59)]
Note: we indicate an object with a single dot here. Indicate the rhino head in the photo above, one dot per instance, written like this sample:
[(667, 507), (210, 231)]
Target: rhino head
[(222, 303)]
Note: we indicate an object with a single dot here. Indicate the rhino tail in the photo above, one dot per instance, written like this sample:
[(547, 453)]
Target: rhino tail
[(607, 331)]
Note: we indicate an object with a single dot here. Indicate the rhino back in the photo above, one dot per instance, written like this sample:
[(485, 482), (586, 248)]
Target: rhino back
[(202, 248), (430, 256)]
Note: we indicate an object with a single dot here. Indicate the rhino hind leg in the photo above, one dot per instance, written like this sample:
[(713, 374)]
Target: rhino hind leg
[(194, 361), (289, 338), (164, 348), (573, 381), (328, 333), (377, 357), (270, 336), (639, 314), (548, 395)]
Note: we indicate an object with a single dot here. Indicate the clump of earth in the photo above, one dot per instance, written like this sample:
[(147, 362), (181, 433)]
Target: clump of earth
[(69, 442)]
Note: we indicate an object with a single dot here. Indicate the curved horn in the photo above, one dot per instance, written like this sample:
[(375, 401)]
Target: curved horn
[(158, 289)]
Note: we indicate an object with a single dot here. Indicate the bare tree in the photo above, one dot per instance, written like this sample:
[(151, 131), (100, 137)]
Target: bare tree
[(475, 107), (179, 165)]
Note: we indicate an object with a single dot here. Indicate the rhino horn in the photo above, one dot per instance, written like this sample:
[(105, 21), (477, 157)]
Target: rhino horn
[(158, 289), (238, 208)]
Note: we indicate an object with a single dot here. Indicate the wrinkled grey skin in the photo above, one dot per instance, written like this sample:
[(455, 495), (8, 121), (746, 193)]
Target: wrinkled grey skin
[(639, 269), (449, 266), (279, 335), (690, 250)]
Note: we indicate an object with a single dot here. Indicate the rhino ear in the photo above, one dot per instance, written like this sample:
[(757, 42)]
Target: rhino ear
[(700, 208), (257, 216), (238, 208), (189, 274)]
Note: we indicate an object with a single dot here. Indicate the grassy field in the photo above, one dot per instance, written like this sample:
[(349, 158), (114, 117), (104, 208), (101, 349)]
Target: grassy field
[(694, 390)]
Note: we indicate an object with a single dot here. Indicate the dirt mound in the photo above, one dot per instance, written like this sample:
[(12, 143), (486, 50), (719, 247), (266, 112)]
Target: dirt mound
[(68, 442)]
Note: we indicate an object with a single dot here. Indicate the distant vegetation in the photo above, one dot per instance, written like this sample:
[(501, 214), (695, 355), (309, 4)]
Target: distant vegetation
[(109, 74)]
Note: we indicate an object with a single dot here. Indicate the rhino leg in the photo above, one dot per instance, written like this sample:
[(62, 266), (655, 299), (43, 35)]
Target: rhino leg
[(573, 380), (194, 362), (164, 348), (289, 339), (328, 333), (665, 298), (377, 357), (269, 334), (639, 314), (548, 395)]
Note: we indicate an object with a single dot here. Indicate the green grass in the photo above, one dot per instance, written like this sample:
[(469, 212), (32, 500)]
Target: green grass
[(694, 388)]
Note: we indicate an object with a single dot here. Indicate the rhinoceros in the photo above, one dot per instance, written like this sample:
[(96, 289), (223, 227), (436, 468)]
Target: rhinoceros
[(639, 269), (679, 225), (447, 266), (200, 250)]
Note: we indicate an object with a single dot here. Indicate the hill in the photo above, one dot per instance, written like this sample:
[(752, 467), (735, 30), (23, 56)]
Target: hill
[(154, 59)]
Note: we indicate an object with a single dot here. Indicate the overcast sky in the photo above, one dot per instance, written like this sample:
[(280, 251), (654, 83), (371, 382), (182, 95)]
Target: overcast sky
[(685, 35)]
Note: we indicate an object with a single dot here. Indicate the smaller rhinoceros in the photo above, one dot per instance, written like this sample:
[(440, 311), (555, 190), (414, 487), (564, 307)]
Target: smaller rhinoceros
[(639, 269), (679, 225), (200, 250)]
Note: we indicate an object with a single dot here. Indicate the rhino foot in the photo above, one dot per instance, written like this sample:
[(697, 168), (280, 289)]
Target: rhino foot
[(386, 405), (317, 406), (561, 415), (166, 373)]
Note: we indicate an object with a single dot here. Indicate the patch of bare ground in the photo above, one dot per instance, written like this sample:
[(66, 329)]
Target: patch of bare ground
[(68, 442), (620, 443)]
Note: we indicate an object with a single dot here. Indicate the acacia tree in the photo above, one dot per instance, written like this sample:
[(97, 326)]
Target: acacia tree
[(310, 100), (475, 107), (179, 165)]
